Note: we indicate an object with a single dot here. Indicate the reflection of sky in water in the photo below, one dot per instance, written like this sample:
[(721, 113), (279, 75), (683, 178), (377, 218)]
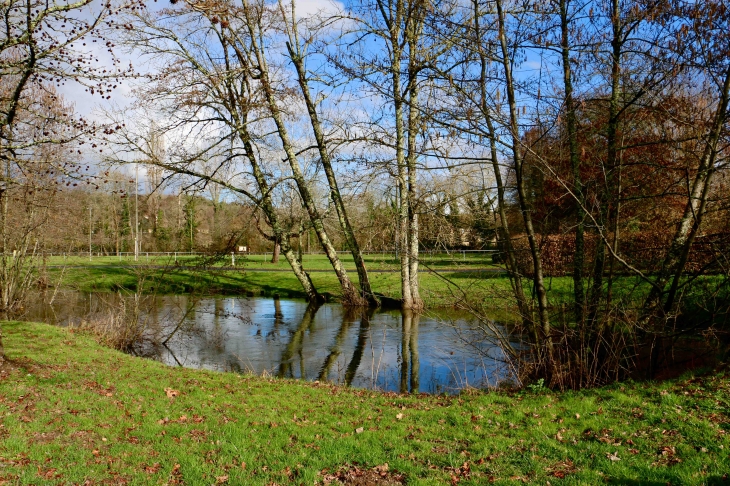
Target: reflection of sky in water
[(385, 350), (378, 351)]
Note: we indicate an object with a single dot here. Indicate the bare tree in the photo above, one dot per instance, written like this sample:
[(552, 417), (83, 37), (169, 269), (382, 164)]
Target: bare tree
[(393, 73), (38, 50), (200, 94), (297, 52), (704, 44)]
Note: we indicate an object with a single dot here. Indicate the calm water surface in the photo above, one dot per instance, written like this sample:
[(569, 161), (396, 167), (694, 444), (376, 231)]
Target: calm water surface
[(386, 350)]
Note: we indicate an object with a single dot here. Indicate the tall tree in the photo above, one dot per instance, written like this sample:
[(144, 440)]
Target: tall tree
[(392, 72), (703, 42), (516, 150), (227, 89), (254, 17), (39, 50), (297, 50)]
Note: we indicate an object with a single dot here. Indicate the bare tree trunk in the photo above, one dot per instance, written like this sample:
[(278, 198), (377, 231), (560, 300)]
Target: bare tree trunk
[(579, 255), (413, 35), (350, 295), (676, 258), (504, 235), (394, 19), (267, 206), (606, 212), (275, 253), (297, 59), (538, 279)]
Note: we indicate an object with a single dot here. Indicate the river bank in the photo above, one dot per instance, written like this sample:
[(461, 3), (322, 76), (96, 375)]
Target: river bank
[(449, 283), (75, 412)]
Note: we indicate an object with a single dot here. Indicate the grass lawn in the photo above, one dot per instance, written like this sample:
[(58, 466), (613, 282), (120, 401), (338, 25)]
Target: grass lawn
[(72, 412), (440, 286), (373, 261), (444, 280)]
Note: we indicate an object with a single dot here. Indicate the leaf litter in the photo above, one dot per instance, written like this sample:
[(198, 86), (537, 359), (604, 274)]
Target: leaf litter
[(357, 475)]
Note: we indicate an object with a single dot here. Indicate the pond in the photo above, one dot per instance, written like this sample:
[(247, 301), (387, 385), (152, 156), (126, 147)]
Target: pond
[(434, 352)]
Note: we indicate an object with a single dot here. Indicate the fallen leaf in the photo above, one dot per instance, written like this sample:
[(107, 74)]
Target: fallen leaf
[(171, 393), (359, 430), (221, 479), (399, 416), (382, 468), (613, 457)]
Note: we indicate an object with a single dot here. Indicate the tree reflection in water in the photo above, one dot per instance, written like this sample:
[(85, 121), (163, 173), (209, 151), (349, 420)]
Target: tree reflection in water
[(295, 343), (371, 348), (409, 364)]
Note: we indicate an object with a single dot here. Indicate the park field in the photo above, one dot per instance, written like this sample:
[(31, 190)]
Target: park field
[(457, 279)]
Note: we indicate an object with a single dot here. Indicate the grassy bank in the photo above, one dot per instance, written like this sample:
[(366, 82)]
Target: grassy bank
[(444, 281), (72, 412)]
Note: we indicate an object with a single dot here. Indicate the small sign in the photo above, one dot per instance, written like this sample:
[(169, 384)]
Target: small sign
[(242, 249)]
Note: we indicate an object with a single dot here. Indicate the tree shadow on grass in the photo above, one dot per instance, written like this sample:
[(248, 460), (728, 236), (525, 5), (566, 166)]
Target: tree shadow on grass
[(709, 481)]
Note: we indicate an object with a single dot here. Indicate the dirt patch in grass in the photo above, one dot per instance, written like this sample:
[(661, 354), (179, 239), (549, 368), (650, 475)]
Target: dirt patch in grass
[(10, 366), (355, 474)]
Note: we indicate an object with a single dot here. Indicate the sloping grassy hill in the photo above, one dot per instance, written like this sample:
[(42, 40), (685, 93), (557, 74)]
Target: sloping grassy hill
[(73, 412)]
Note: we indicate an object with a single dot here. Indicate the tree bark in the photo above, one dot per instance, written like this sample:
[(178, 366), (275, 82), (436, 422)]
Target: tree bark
[(504, 235), (394, 16), (413, 35), (676, 258), (612, 129), (275, 253), (538, 280), (352, 243), (350, 295), (579, 255)]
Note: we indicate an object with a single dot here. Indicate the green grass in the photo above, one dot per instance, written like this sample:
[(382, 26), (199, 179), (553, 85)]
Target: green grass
[(444, 289), (440, 288), (373, 261), (445, 280), (72, 412)]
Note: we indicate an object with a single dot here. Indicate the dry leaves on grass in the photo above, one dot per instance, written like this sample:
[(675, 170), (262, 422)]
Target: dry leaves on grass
[(171, 393), (175, 475), (459, 473), (561, 469), (667, 457), (354, 474), (613, 457)]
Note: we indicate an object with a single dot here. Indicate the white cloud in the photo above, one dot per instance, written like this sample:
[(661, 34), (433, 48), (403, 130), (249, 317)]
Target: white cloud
[(310, 8)]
